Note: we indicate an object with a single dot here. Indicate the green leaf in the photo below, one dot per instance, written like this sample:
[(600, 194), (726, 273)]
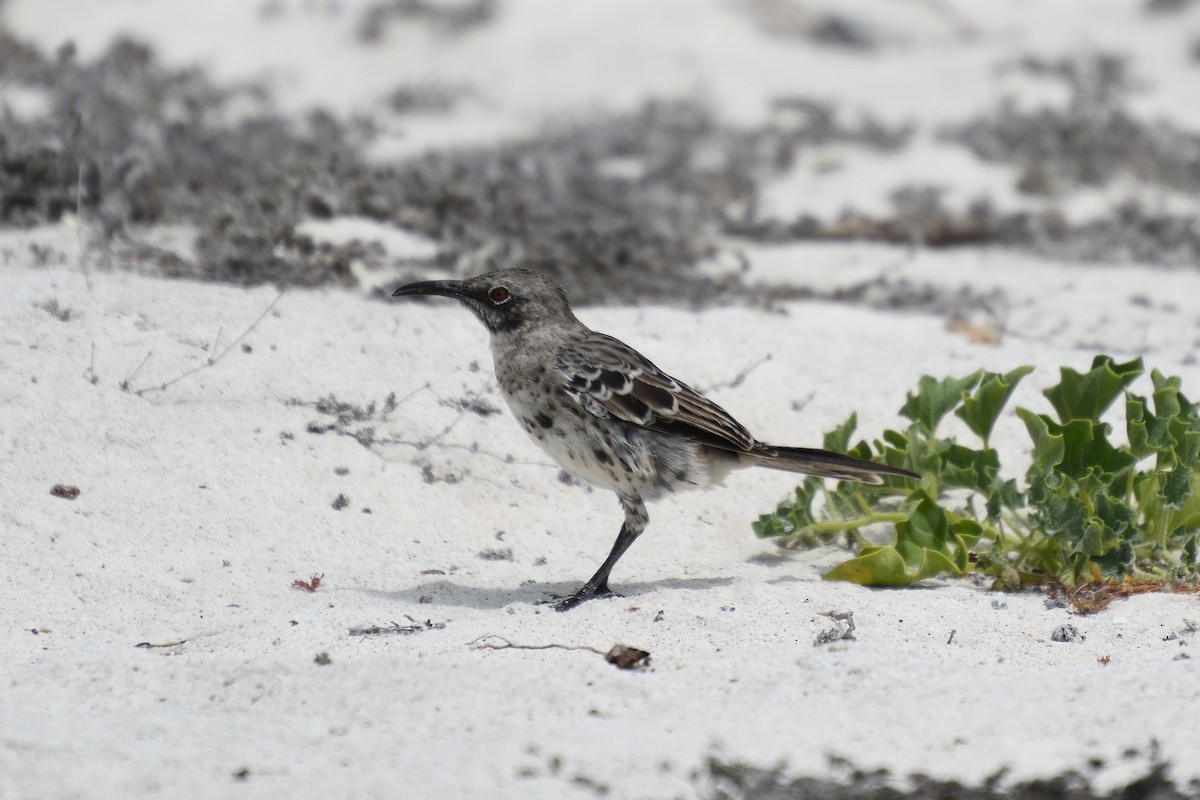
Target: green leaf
[(1168, 402), (1009, 494), (893, 448), (926, 525), (921, 549), (934, 399), (982, 408), (791, 515), (1087, 395), (1078, 449), (994, 507), (769, 525), (1095, 540), (925, 529), (1188, 517), (1148, 432), (896, 439), (1001, 496), (1118, 562), (842, 502), (1048, 447), (1062, 515), (860, 450), (874, 566), (884, 566), (1115, 514), (1177, 488), (838, 439), (910, 449), (1087, 451), (970, 469), (968, 532), (1187, 448)]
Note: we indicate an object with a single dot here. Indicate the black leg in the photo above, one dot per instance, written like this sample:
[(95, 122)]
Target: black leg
[(597, 586)]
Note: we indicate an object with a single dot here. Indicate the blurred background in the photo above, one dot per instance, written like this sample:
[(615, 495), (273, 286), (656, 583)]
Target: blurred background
[(677, 150)]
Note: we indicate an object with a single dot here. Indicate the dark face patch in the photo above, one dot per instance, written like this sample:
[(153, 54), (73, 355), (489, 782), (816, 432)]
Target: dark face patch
[(512, 300)]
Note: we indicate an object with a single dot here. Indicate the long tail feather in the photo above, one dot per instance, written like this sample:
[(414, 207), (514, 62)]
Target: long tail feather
[(828, 464)]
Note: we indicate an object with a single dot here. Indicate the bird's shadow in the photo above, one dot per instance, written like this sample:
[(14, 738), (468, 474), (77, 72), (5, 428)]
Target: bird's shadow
[(442, 592)]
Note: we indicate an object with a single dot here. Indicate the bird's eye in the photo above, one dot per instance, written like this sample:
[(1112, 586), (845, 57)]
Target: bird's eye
[(499, 295)]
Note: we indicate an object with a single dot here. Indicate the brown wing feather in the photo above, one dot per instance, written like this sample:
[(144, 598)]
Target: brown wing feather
[(607, 377)]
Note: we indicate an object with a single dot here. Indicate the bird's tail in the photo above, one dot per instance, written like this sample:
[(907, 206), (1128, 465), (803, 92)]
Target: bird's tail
[(828, 464)]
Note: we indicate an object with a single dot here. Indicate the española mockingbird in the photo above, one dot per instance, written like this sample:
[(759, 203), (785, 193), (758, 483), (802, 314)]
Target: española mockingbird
[(610, 417)]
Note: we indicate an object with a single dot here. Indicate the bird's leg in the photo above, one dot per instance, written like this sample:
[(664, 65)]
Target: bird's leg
[(636, 519), (597, 585)]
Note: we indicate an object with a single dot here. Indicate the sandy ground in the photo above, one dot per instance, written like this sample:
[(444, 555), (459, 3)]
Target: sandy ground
[(201, 503), (156, 647)]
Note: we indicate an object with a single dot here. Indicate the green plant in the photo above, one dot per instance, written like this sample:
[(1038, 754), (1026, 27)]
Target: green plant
[(1087, 511)]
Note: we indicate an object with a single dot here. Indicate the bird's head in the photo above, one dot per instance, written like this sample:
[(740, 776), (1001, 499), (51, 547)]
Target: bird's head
[(505, 301)]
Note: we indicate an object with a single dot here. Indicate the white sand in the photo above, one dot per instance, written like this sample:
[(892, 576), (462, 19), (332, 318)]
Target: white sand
[(201, 503), (196, 513)]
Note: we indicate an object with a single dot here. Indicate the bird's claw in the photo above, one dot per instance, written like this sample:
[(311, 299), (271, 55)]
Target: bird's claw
[(561, 603)]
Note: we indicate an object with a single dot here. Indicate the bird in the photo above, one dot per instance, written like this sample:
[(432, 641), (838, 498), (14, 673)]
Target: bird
[(607, 415)]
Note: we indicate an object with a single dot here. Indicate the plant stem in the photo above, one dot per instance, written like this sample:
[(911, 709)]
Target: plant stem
[(833, 526)]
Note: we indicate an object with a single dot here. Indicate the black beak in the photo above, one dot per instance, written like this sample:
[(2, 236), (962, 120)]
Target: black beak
[(441, 288)]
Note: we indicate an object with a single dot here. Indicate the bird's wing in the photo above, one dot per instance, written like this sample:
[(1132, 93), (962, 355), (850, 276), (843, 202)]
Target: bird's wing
[(610, 379)]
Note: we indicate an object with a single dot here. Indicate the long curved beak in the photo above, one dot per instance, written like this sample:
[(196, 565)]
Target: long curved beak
[(441, 288)]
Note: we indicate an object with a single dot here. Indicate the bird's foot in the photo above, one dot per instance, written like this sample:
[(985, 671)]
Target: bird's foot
[(580, 597)]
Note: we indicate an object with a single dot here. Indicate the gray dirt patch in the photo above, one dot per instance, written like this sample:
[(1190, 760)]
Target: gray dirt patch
[(617, 208)]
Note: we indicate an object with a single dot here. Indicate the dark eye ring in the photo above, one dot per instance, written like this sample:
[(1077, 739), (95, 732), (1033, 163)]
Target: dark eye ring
[(499, 295)]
